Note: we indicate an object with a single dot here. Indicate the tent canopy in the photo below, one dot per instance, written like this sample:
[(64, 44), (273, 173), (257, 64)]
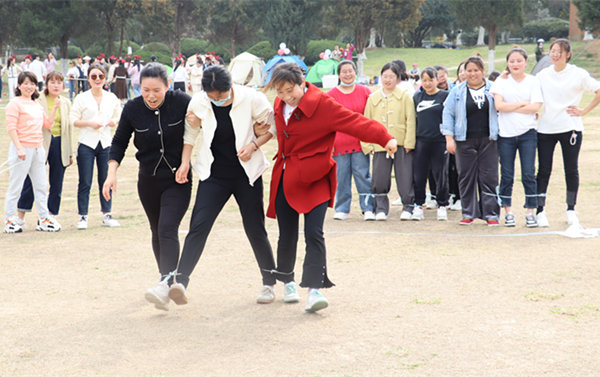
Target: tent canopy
[(321, 68), (278, 59), (247, 69), (543, 63)]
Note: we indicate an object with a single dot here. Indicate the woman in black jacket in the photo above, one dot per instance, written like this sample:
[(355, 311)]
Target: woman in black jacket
[(157, 119)]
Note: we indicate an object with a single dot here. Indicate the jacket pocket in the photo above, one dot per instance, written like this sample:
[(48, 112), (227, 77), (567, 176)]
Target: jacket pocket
[(175, 124), (143, 130), (314, 165)]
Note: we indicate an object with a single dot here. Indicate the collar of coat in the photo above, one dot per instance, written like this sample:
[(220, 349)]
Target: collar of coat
[(378, 95), (309, 102)]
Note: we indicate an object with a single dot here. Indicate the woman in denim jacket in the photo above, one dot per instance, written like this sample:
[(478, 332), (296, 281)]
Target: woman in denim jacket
[(470, 124)]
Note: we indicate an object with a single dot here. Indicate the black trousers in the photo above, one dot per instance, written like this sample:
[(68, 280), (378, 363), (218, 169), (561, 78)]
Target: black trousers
[(570, 154), (431, 157), (211, 196), (314, 270), (165, 202)]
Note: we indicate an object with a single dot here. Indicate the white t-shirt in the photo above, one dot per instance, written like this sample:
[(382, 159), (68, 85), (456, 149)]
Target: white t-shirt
[(561, 90), (511, 123)]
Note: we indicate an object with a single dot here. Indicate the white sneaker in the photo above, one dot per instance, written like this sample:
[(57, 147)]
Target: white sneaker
[(542, 220), (380, 216), (315, 301), (340, 216), (108, 221), (369, 216), (266, 295), (397, 202), (11, 225), (82, 223), (159, 295), (456, 206), (178, 294), (405, 215), (431, 204), (442, 214), (49, 224), (572, 218), (417, 214), (290, 292)]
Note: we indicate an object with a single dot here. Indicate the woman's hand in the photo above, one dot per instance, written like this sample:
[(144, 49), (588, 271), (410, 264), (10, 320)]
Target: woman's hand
[(111, 123), (391, 147), (70, 161), (181, 175), (261, 128), (575, 111), (109, 184), (450, 145), (21, 153), (193, 120), (408, 150), (95, 125), (246, 152), (57, 103)]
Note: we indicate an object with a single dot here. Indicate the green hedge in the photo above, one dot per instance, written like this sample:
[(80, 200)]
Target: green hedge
[(73, 52), (157, 47), (192, 46), (546, 28), (315, 48), (263, 50), (145, 54)]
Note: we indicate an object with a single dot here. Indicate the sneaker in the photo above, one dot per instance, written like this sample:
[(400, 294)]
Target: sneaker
[(267, 295), (108, 221), (456, 206), (530, 221), (20, 222), (405, 215), (369, 216), (417, 214), (49, 224), (82, 223), (159, 295), (431, 204), (493, 221), (290, 294), (340, 216), (11, 225), (177, 294), (442, 214), (380, 216), (572, 218), (315, 301), (466, 221), (397, 202), (509, 219), (542, 220)]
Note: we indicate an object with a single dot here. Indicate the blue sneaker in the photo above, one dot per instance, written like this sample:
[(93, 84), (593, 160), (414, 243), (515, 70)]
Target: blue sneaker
[(290, 292), (315, 301)]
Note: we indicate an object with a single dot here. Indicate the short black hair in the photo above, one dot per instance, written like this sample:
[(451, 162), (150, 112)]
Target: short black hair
[(216, 78), (155, 70)]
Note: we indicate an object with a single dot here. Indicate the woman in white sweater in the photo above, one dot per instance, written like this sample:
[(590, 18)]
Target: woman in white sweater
[(563, 86)]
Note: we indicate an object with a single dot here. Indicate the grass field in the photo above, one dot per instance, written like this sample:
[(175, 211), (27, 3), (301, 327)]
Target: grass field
[(411, 299)]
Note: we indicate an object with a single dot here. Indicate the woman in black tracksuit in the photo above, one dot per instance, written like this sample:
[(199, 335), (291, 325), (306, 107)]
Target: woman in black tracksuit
[(157, 120)]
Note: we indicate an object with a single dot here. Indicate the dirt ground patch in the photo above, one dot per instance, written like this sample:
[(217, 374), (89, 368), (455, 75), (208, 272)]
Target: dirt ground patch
[(412, 298)]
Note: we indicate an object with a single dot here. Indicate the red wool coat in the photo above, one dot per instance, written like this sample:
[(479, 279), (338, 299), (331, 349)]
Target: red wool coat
[(306, 145)]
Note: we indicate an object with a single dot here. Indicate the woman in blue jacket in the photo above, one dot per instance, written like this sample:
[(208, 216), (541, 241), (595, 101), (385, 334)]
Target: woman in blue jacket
[(470, 124)]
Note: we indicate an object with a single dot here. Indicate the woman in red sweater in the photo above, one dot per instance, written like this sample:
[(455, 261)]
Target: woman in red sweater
[(304, 175)]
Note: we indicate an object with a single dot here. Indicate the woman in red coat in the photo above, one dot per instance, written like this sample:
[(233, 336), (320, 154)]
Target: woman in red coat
[(304, 175)]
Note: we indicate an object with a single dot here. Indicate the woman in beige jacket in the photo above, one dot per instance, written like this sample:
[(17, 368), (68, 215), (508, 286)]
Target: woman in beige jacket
[(58, 145), (392, 107)]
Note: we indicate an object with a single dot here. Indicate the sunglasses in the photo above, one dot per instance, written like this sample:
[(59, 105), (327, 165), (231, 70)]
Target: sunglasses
[(95, 76)]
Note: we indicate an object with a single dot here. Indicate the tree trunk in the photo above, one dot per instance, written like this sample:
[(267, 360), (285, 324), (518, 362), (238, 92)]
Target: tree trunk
[(492, 31), (179, 8), (64, 51), (372, 38), (360, 65), (121, 39), (480, 41)]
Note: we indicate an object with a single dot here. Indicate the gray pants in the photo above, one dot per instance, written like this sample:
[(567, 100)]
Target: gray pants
[(477, 164), (382, 179)]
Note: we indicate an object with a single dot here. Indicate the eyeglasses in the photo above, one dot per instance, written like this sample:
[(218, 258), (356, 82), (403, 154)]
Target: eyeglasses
[(95, 76)]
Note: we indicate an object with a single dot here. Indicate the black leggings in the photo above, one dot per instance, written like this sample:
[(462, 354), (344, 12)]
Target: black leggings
[(212, 195), (314, 270), (165, 202), (570, 153)]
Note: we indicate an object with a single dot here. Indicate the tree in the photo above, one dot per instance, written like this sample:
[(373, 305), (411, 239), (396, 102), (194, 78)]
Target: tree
[(489, 14), (436, 14), (9, 14), (362, 16), (114, 14), (588, 12), (293, 22), (231, 22), (165, 20)]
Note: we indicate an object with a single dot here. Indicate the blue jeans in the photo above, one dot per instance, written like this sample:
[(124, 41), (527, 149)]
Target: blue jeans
[(72, 89), (526, 144), (56, 177), (85, 164), (353, 165)]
